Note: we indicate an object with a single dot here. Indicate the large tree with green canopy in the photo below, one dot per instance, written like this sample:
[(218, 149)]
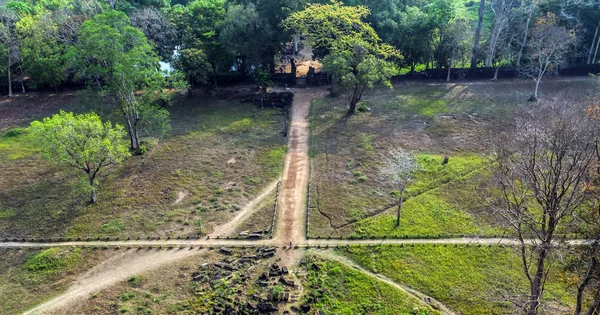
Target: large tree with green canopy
[(82, 142), (117, 61), (326, 23)]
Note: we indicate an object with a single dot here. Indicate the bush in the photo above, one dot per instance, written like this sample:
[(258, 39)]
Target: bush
[(15, 132), (362, 108)]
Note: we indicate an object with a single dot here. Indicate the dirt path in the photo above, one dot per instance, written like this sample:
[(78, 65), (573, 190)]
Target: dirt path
[(290, 227), (294, 183), (108, 273), (169, 246), (424, 298), (246, 212), (134, 262)]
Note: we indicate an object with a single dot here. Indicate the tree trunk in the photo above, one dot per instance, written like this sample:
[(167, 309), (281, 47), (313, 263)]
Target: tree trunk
[(10, 94), (136, 135), (399, 207), (496, 73), (592, 266), (492, 46), (596, 304), (536, 285), (477, 36), (589, 60), (133, 133), (524, 42), (22, 86), (449, 69), (596, 52), (353, 103), (93, 192), (537, 87)]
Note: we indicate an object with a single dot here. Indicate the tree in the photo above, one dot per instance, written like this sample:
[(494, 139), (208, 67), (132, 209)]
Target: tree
[(414, 38), (246, 35), (501, 9), (399, 166), (82, 142), (197, 26), (477, 36), (118, 62), (540, 175), (358, 65), (42, 58), (454, 43), (157, 28), (8, 18), (588, 258), (548, 45), (528, 7), (324, 24)]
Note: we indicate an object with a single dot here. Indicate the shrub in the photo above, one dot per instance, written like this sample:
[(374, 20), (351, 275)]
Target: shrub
[(15, 132)]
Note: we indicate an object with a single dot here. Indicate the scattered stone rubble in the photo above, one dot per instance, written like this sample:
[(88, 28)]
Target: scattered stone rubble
[(241, 273)]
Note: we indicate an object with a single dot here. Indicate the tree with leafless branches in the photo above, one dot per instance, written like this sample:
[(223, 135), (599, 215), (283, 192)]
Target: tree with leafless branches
[(548, 44), (541, 171), (399, 167)]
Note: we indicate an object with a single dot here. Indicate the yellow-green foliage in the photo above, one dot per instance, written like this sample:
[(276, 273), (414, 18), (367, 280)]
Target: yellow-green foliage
[(52, 261)]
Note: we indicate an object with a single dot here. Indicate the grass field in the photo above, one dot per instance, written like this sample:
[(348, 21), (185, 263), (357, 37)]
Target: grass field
[(469, 279), (28, 277), (219, 155), (337, 289), (349, 195)]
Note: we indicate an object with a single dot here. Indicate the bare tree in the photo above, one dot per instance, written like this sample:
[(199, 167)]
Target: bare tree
[(399, 167), (157, 28), (541, 171), (528, 8), (506, 49), (501, 9), (548, 45)]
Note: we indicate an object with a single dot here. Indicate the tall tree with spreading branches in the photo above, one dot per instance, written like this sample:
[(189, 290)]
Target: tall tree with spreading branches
[(540, 170), (82, 142)]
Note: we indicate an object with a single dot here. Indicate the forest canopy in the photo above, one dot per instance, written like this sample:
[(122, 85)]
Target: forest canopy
[(206, 39)]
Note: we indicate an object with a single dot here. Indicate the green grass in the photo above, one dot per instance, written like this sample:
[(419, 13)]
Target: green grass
[(470, 280), (16, 144), (338, 289), (52, 261), (220, 154), (433, 173), (29, 277), (431, 206), (435, 120)]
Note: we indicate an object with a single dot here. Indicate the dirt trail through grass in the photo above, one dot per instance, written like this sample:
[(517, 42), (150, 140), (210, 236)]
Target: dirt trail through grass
[(425, 299), (296, 172), (131, 263), (244, 213), (108, 273), (290, 227)]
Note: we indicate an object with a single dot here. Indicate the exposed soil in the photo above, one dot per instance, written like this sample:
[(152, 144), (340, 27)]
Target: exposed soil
[(290, 226), (108, 273)]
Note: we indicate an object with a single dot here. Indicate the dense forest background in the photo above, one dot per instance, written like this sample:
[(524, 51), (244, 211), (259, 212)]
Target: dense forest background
[(55, 43)]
